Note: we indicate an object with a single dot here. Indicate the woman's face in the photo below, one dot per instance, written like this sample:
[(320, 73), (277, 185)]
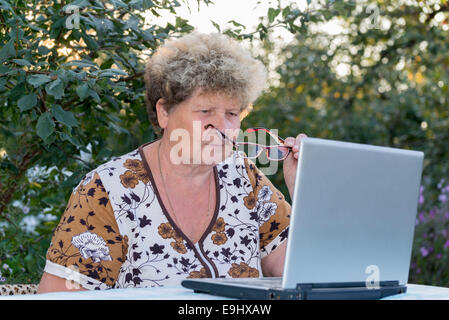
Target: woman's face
[(184, 125)]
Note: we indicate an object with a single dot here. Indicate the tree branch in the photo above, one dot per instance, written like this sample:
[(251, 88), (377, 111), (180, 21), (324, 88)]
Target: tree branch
[(132, 77)]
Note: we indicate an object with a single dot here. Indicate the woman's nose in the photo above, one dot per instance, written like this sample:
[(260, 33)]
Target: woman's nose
[(219, 121)]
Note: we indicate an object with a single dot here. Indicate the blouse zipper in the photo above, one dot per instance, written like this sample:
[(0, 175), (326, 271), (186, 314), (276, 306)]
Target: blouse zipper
[(204, 259)]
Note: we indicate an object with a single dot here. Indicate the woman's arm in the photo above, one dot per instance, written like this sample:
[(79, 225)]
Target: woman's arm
[(52, 283), (273, 264), (88, 217)]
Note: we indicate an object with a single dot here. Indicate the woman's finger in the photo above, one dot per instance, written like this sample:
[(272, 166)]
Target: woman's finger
[(299, 137), (290, 141), (297, 144)]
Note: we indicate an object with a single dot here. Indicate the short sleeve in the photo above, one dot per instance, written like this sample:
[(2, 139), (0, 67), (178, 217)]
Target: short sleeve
[(273, 211), (86, 246)]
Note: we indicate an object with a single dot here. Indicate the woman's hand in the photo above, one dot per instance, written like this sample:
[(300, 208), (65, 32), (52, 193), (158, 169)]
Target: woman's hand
[(291, 162)]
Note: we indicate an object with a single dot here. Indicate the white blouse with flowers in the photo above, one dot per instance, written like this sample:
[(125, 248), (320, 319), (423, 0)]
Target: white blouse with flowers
[(116, 232)]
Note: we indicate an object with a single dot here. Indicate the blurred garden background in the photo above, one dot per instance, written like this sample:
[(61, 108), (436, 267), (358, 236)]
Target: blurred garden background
[(71, 97)]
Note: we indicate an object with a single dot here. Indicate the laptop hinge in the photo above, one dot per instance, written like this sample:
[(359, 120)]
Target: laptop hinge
[(347, 290)]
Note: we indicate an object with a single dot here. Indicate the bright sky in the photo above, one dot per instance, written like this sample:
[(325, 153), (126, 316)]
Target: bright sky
[(246, 12)]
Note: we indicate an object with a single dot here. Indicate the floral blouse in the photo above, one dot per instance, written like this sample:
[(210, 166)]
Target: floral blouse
[(116, 233)]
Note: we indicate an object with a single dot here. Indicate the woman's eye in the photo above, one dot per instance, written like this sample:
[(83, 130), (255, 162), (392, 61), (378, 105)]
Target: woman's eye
[(204, 111), (233, 114)]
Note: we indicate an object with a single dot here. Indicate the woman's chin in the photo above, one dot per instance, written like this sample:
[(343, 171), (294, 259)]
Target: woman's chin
[(215, 154)]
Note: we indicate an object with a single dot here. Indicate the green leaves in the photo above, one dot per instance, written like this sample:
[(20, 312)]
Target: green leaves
[(55, 88), (45, 126), (37, 80), (272, 14), (65, 117), (27, 102), (111, 73), (83, 91), (8, 50), (4, 5), (216, 25), (22, 62), (90, 42), (81, 64)]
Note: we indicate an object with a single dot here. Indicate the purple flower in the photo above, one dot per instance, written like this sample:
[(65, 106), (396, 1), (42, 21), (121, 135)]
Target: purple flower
[(442, 198), (421, 216), (421, 199), (421, 196), (446, 245), (424, 252), (438, 256)]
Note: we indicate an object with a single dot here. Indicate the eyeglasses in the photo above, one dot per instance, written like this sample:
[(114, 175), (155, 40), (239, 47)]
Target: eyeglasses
[(253, 150)]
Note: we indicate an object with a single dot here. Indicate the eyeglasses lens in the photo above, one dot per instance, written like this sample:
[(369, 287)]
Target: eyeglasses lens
[(277, 153), (251, 151)]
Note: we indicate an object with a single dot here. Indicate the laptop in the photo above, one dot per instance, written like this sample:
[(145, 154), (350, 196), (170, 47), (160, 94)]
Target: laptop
[(352, 224)]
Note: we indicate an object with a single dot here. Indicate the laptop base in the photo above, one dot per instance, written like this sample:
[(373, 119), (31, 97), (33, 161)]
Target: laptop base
[(303, 291)]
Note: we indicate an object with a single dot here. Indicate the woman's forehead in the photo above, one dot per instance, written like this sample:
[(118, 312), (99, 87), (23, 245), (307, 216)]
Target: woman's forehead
[(214, 99)]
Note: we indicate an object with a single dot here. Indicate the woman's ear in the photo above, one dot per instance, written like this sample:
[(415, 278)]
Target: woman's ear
[(162, 113)]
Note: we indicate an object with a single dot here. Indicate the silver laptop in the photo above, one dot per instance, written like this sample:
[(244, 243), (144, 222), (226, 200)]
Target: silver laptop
[(352, 225)]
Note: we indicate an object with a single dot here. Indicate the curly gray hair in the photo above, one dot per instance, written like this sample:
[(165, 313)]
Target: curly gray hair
[(210, 62)]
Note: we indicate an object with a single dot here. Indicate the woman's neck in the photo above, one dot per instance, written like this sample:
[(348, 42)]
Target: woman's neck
[(195, 173)]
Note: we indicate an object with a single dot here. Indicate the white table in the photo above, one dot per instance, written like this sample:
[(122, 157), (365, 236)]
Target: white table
[(414, 292)]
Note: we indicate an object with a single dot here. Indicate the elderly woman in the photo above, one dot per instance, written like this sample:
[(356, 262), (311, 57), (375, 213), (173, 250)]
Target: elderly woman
[(161, 213)]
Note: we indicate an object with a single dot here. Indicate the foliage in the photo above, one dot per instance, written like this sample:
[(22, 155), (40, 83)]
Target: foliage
[(431, 251), (382, 82), (72, 96)]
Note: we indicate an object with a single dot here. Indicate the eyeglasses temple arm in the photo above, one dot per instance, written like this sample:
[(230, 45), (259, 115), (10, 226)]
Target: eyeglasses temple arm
[(275, 137), (221, 133)]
